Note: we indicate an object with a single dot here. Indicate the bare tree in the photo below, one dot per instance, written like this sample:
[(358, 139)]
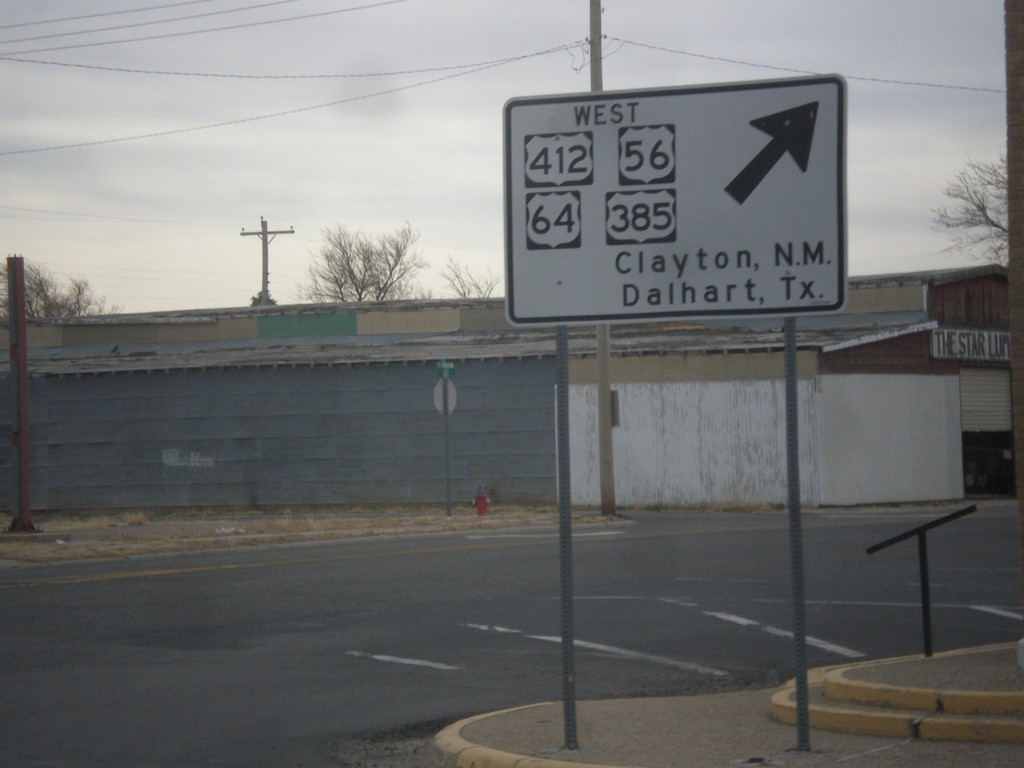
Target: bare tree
[(977, 221), (465, 284), (351, 266), (48, 296)]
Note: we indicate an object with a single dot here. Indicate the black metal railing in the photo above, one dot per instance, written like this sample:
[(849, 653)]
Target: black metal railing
[(921, 532)]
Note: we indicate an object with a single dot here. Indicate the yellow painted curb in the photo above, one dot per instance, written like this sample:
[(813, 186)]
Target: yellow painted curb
[(840, 687), (880, 723), (982, 702), (456, 752), (991, 730), (993, 715)]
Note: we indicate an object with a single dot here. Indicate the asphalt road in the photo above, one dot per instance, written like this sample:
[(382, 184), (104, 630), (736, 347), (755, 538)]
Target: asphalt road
[(353, 653)]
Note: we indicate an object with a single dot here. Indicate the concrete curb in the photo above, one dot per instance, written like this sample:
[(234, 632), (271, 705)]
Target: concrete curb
[(989, 730), (454, 751), (890, 724), (839, 687), (906, 711)]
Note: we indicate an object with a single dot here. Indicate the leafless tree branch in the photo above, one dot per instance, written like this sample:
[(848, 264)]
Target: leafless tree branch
[(467, 285), (977, 221), (353, 267), (47, 296)]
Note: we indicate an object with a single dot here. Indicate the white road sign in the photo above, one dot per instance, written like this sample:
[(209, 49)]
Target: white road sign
[(723, 200), (439, 391)]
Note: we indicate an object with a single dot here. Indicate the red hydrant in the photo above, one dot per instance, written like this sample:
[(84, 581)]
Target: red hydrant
[(480, 501)]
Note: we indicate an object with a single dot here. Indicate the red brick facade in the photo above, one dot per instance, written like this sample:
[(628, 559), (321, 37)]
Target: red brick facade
[(978, 303)]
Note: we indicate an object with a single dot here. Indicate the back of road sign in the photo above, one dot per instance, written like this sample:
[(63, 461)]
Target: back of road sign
[(710, 201)]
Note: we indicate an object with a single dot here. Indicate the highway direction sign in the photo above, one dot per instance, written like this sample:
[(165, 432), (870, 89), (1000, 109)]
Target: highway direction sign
[(709, 201)]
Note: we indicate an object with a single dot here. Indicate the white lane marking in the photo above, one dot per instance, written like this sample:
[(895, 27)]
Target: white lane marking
[(611, 597), (996, 611), (400, 660), (817, 643), (732, 618), (685, 602), (581, 535), (626, 653), (490, 628)]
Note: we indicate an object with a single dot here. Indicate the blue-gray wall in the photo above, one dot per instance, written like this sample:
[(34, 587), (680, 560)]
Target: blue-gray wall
[(289, 436)]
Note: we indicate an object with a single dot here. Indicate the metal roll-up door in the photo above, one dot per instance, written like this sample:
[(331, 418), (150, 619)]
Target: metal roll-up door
[(985, 400)]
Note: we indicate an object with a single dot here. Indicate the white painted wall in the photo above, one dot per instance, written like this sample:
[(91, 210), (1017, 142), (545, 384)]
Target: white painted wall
[(695, 443), (864, 439), (889, 439)]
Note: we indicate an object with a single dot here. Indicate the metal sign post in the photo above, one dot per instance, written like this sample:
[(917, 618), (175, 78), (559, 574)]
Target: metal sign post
[(796, 556), (565, 536)]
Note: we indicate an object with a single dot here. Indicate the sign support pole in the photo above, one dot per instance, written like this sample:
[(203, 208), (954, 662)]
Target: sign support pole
[(796, 538), (447, 450), (565, 535)]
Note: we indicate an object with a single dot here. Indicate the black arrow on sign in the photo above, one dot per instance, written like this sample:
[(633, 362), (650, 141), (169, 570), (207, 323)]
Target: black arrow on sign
[(792, 131)]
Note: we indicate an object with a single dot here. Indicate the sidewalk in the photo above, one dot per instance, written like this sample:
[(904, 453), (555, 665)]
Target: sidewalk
[(731, 729)]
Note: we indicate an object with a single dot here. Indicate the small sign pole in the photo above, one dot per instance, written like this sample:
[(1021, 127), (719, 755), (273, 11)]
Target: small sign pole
[(447, 451)]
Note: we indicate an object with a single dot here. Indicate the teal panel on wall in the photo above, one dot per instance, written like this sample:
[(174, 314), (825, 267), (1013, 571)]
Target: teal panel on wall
[(277, 326)]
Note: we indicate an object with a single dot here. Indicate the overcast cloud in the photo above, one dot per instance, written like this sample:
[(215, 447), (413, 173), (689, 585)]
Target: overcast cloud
[(408, 127)]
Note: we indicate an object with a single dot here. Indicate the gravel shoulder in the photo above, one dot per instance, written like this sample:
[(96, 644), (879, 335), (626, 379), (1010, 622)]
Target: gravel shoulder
[(85, 536)]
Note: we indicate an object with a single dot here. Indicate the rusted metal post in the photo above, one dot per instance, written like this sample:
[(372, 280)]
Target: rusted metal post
[(19, 385)]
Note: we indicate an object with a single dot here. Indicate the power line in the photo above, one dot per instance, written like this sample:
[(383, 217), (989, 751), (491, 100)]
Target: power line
[(211, 29), (78, 215), (105, 13), (394, 73), (283, 113), (804, 71), (424, 70), (115, 272), (150, 23)]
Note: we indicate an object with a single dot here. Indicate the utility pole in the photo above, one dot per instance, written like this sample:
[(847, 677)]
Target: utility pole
[(605, 447), (1014, 32), (266, 236)]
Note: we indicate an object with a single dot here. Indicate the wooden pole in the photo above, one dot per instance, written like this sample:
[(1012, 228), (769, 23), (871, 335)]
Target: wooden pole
[(605, 446), (1014, 10)]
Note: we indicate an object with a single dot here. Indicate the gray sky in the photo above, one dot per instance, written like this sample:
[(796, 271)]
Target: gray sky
[(111, 170)]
